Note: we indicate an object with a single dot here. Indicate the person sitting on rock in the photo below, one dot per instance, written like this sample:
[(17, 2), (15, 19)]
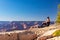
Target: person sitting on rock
[(46, 23)]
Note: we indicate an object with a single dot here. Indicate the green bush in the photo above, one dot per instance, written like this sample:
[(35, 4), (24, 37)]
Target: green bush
[(56, 33), (58, 16)]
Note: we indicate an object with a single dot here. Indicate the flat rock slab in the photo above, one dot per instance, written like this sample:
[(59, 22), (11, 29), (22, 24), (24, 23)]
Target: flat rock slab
[(54, 38), (46, 35), (50, 32)]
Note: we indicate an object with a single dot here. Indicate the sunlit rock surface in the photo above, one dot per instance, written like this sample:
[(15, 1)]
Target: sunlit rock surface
[(31, 34)]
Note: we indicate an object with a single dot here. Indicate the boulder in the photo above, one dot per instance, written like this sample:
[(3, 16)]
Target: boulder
[(13, 36), (28, 35), (8, 36)]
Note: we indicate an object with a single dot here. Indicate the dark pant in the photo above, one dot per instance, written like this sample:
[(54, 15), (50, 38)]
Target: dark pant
[(45, 24), (48, 23)]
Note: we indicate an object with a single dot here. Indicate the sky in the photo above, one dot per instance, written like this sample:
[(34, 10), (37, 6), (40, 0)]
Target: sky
[(28, 10)]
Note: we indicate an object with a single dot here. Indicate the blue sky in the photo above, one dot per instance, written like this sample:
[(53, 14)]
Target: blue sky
[(28, 10)]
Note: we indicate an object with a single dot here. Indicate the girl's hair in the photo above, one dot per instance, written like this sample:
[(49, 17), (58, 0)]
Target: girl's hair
[(48, 17)]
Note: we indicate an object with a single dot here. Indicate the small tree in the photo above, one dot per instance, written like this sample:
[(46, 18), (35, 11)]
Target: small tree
[(58, 16)]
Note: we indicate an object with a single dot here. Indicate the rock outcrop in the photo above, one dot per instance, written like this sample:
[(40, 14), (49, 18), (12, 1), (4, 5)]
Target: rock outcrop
[(32, 34), (27, 35), (46, 32)]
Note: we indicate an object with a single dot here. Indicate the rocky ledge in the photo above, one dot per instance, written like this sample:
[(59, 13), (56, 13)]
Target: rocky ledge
[(32, 34)]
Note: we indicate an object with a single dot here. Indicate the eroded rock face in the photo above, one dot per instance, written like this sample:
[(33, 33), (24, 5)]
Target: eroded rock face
[(27, 35), (8, 37)]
